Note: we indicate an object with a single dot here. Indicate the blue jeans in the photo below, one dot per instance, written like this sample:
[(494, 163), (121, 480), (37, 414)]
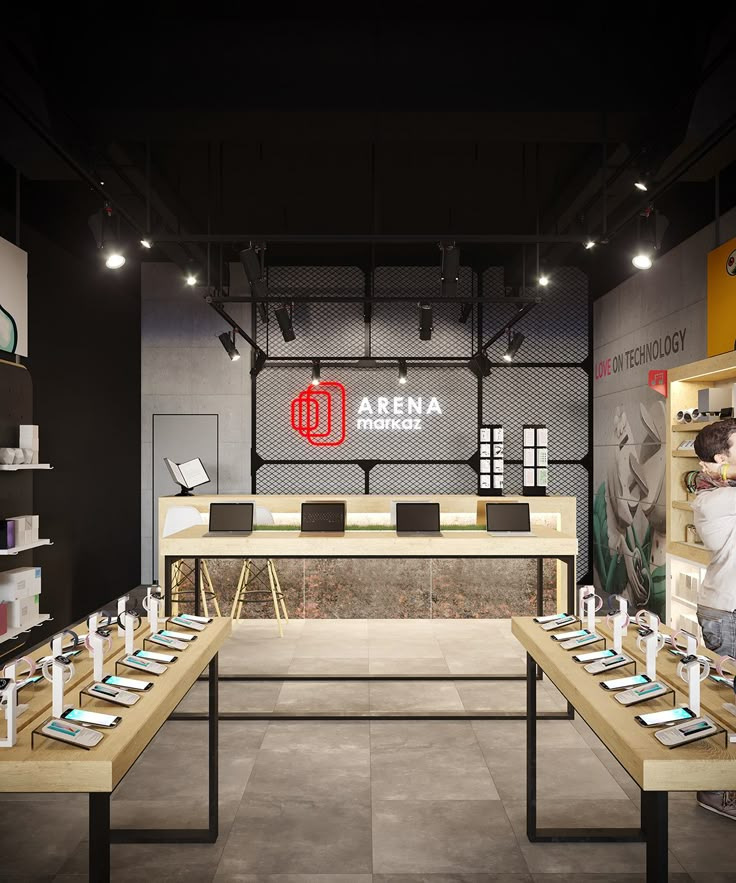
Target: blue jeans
[(719, 630)]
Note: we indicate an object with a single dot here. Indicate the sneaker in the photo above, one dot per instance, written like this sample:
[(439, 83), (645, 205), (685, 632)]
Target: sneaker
[(721, 802)]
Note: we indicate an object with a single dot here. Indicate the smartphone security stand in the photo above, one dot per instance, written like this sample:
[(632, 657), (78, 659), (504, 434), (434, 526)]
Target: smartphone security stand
[(8, 690), (122, 604), (619, 622), (59, 670), (97, 642), (650, 643), (152, 604), (692, 669), (588, 605), (11, 673)]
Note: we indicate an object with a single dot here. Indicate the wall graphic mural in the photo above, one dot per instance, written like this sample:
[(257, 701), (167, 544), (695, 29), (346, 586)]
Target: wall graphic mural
[(629, 524), (13, 299)]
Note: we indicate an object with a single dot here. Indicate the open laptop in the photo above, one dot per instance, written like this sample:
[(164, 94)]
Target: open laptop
[(508, 520), (230, 519), (418, 520), (323, 519)]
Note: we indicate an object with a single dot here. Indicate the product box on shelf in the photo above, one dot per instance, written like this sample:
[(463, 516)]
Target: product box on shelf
[(3, 619), (26, 529), (7, 533), (24, 612), (22, 582), (28, 439)]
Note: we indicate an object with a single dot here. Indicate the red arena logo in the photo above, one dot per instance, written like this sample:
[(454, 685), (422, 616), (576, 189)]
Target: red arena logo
[(318, 414)]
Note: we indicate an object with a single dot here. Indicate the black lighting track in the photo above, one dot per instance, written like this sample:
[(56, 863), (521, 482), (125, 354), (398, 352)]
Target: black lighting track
[(528, 302), (371, 238)]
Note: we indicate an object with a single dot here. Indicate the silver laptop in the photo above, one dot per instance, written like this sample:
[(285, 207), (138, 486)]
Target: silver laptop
[(508, 520), (230, 520)]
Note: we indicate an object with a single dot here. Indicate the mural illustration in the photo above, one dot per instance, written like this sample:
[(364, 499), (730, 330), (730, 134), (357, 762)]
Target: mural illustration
[(629, 523), (13, 299), (8, 331)]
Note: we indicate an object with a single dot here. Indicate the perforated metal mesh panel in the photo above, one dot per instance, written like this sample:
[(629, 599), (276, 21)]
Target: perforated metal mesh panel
[(573, 480), (310, 478), (555, 397), (449, 435), (422, 478), (395, 327), (555, 330)]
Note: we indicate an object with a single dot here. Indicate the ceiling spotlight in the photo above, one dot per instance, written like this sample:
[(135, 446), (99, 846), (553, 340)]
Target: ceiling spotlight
[(544, 280), (315, 372), (402, 370), (284, 319), (450, 268), (513, 345), (191, 279), (147, 242), (590, 243), (227, 339), (642, 184), (259, 360), (642, 260), (250, 258), (480, 365), (114, 258), (425, 322)]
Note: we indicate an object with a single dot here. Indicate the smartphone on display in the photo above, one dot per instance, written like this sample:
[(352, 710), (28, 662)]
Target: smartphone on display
[(156, 657), (551, 617), (32, 680), (625, 683), (93, 718), (565, 636), (127, 683), (188, 623), (591, 657), (179, 636), (194, 618), (558, 623), (660, 718), (723, 682)]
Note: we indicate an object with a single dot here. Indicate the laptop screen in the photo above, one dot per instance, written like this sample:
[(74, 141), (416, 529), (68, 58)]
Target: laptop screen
[(231, 516), (323, 517), (413, 517), (507, 516)]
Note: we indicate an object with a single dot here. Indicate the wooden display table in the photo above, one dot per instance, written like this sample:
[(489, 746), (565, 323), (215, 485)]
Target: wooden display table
[(56, 767), (705, 765)]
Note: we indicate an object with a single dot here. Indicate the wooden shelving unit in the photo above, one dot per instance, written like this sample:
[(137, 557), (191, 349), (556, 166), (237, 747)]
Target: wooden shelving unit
[(683, 556)]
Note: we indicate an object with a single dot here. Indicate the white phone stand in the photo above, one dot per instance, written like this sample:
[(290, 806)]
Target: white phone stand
[(619, 622), (97, 644), (152, 605), (132, 621), (588, 605), (692, 669), (122, 604), (650, 644), (60, 672), (11, 672), (7, 701)]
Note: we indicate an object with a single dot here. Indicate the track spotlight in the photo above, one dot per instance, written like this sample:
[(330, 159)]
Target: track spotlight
[(251, 260), (147, 242), (450, 268), (402, 370), (425, 322), (284, 319), (590, 243), (259, 360), (191, 279), (114, 258), (315, 372), (513, 345), (480, 365), (642, 183), (642, 260), (227, 339), (544, 280)]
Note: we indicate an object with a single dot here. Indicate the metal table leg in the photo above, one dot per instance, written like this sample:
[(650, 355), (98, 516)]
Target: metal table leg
[(654, 822), (99, 837), (168, 564), (558, 835)]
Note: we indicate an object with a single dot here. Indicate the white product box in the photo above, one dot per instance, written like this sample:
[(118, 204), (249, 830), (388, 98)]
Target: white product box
[(21, 582), (23, 613), (714, 398), (26, 529), (28, 439)]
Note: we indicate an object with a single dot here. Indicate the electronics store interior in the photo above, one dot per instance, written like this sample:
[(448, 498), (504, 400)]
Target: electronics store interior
[(366, 386)]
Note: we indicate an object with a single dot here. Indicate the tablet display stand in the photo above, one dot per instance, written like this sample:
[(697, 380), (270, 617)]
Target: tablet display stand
[(187, 475)]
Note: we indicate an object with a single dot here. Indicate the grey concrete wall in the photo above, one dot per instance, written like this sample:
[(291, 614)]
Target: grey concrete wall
[(185, 370), (669, 301)]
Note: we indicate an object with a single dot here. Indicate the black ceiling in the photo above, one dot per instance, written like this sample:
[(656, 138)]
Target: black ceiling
[(395, 126)]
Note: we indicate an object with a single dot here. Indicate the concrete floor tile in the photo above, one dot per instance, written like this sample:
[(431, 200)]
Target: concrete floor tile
[(317, 736), (414, 696), (338, 647), (701, 840), (31, 824), (255, 696), (423, 665), (503, 696), (431, 774), (181, 873), (314, 665), (452, 878), (338, 775), (468, 663), (443, 837), (450, 735), (496, 736), (409, 646), (227, 877), (327, 697), (606, 878), (298, 837)]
